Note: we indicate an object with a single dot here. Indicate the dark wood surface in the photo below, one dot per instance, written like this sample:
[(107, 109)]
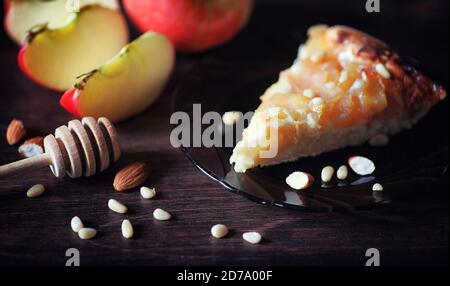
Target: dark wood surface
[(37, 231)]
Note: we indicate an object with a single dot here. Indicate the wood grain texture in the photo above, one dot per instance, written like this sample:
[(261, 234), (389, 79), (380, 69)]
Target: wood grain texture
[(37, 231)]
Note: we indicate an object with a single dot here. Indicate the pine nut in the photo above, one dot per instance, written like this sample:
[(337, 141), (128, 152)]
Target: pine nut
[(219, 230), (302, 53), (343, 77), (317, 56), (361, 165), (148, 193), (231, 117), (117, 206), (252, 237), (161, 214), (311, 120), (342, 172), (299, 180), (327, 174), (127, 229), (358, 84), (309, 93), (316, 104), (377, 187), (364, 76), (35, 191), (381, 70), (330, 85), (76, 224), (87, 233)]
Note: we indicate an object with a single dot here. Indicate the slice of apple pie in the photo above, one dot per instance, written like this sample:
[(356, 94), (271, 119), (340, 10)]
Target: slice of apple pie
[(344, 88)]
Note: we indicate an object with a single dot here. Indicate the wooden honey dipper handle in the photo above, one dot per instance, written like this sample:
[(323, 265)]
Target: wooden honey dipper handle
[(25, 165), (82, 148)]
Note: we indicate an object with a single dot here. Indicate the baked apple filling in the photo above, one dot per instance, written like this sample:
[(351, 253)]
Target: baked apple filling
[(344, 88)]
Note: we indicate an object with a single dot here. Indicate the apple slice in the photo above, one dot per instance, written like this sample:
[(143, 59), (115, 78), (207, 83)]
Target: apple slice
[(21, 16), (127, 84), (56, 57)]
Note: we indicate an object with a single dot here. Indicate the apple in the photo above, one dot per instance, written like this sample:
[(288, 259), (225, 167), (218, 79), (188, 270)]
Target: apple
[(127, 84), (22, 15), (55, 57), (192, 25)]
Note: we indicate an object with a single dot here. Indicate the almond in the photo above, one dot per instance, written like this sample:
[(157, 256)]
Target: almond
[(32, 147), (15, 132), (361, 165), (299, 180), (131, 176)]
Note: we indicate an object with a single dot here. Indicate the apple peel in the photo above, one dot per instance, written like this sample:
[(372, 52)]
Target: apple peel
[(68, 100)]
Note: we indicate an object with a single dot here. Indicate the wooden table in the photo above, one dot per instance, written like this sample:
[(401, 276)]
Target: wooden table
[(37, 231)]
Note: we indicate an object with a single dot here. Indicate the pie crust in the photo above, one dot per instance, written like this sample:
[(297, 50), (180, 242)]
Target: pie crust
[(344, 88)]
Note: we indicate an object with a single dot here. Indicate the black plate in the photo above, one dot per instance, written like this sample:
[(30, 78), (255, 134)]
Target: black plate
[(233, 77)]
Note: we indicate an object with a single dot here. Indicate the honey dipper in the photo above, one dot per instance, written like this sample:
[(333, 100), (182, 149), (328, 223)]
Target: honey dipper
[(82, 148)]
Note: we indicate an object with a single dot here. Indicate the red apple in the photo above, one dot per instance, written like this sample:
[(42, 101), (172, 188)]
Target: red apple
[(192, 25)]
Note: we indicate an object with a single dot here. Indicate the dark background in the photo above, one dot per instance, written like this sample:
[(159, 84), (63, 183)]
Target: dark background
[(37, 231)]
